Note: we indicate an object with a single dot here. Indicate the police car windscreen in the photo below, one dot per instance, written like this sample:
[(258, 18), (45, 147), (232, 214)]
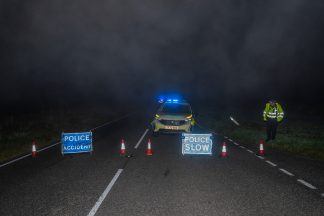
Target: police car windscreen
[(176, 109)]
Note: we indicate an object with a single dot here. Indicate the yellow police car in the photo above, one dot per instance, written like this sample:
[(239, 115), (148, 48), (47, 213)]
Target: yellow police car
[(174, 115)]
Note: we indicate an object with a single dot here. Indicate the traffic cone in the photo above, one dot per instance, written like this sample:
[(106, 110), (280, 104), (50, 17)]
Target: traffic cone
[(122, 148), (261, 148), (34, 151), (224, 151), (149, 151)]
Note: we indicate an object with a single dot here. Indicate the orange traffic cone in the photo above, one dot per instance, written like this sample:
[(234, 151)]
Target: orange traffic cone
[(261, 148), (34, 151), (224, 151), (149, 150), (122, 148)]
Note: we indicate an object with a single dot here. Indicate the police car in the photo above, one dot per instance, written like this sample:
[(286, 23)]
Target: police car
[(173, 115)]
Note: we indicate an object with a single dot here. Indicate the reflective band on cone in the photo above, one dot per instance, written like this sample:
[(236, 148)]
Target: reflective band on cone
[(224, 150), (149, 150), (34, 151), (261, 148), (122, 148)]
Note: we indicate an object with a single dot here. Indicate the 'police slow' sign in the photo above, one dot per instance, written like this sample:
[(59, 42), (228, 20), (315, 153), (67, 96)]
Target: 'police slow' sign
[(197, 144), (76, 142)]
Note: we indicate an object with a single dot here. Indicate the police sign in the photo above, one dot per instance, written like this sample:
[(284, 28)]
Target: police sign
[(76, 142), (199, 144)]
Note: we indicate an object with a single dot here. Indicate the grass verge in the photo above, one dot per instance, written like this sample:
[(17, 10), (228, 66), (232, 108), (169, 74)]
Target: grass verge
[(302, 138), (17, 132)]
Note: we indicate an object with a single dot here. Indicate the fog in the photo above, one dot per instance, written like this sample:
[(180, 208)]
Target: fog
[(217, 52)]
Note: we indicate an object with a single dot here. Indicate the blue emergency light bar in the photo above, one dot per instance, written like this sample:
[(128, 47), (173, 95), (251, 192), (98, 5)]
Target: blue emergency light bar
[(163, 99)]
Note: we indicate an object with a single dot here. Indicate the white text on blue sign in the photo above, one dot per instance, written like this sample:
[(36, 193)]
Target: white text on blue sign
[(76, 142), (197, 144)]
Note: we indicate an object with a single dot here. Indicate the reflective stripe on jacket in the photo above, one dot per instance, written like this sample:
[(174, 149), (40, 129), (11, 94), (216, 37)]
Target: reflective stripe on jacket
[(273, 112)]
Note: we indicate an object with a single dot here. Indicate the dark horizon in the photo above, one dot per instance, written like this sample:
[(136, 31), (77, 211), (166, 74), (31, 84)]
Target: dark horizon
[(55, 53)]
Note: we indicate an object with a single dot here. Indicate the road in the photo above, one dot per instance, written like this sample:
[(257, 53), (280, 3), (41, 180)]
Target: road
[(166, 183)]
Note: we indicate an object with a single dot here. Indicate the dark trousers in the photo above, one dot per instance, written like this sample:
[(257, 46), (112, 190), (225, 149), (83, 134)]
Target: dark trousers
[(272, 125)]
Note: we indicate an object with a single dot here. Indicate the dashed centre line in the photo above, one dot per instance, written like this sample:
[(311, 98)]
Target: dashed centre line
[(306, 184), (248, 150), (242, 147), (141, 139), (105, 193), (262, 158), (112, 182)]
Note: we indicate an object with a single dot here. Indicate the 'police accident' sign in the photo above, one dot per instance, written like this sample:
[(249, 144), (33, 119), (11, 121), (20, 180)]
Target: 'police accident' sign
[(199, 144), (76, 142)]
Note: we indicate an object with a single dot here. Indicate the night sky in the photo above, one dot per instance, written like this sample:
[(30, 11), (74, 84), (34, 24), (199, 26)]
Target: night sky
[(217, 51)]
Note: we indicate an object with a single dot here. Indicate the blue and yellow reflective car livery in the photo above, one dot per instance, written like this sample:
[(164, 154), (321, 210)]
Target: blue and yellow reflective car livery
[(173, 116)]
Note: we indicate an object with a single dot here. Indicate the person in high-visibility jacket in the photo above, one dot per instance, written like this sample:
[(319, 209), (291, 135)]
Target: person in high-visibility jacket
[(272, 115)]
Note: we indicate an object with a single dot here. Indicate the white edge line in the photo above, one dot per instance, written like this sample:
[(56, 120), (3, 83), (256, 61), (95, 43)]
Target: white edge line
[(272, 164), (105, 193), (242, 147), (17, 159), (48, 147), (236, 143), (27, 155), (286, 172), (260, 157), (140, 140), (306, 184), (250, 151)]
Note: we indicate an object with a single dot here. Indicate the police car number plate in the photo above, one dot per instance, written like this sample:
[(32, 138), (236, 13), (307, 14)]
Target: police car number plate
[(172, 127)]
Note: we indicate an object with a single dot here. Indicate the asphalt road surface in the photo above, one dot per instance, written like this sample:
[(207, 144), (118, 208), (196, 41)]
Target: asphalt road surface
[(166, 183)]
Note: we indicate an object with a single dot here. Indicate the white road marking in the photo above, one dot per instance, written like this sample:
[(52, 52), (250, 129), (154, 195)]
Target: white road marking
[(55, 144), (27, 155), (286, 172), (105, 193), (272, 164), (282, 170), (48, 147), (242, 147), (306, 184), (142, 137), (12, 161), (250, 151), (230, 140)]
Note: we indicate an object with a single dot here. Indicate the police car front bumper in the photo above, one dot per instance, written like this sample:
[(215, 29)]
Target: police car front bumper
[(163, 126)]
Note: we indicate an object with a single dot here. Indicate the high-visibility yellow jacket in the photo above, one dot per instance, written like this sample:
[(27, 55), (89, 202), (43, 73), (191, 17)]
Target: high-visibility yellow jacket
[(273, 112)]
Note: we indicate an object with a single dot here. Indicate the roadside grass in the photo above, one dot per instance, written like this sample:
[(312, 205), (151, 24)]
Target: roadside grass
[(18, 132), (302, 138)]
